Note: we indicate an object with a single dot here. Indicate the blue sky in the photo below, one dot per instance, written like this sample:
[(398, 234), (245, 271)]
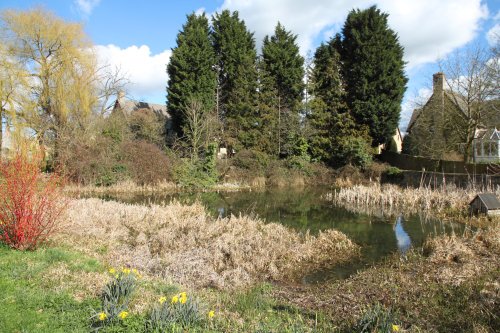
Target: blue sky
[(138, 35)]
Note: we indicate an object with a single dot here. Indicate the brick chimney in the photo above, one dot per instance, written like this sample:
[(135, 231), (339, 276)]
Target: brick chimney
[(438, 83)]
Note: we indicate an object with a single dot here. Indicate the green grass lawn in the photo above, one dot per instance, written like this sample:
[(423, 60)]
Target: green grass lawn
[(35, 298), (30, 304)]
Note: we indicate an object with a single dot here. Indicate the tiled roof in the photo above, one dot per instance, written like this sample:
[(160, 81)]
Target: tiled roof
[(129, 105)]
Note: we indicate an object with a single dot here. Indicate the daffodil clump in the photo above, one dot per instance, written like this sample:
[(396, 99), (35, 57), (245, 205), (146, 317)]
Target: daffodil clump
[(178, 311), (377, 319), (116, 296)]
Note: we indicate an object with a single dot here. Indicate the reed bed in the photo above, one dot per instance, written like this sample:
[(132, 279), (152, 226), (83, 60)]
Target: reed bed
[(184, 244), (392, 198), (122, 187), (131, 188)]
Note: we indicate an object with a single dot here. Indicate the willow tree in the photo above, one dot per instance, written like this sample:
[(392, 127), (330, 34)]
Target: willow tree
[(56, 56), (11, 78)]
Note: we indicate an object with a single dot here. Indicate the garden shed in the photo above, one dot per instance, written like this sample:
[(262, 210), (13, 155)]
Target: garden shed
[(485, 203)]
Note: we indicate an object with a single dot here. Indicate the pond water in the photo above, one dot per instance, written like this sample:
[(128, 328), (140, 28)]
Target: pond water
[(307, 209)]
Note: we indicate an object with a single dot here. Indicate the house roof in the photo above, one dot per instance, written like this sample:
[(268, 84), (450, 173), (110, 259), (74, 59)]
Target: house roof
[(489, 200), (490, 109), (128, 106), (414, 117), (487, 134)]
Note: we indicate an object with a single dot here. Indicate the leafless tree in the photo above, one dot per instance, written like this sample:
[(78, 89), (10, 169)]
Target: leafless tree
[(200, 127), (110, 82), (472, 77)]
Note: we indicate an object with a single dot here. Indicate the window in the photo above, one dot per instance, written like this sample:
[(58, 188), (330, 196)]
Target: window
[(478, 149)]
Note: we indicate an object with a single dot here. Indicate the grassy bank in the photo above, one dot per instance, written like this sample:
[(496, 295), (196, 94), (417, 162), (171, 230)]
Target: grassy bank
[(56, 289)]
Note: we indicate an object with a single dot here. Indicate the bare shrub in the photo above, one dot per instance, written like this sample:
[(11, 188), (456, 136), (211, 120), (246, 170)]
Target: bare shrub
[(145, 125), (147, 164)]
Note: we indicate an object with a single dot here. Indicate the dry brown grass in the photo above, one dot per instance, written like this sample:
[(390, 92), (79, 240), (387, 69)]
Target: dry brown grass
[(441, 202), (82, 285), (185, 244)]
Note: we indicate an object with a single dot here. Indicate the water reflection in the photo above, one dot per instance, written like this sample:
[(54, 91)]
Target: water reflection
[(305, 210), (403, 239)]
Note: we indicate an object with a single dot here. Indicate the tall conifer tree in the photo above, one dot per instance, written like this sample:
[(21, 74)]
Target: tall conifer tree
[(328, 94), (282, 66), (373, 71), (190, 71), (236, 57)]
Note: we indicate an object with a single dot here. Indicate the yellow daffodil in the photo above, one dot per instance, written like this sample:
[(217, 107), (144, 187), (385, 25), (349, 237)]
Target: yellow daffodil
[(136, 273), (102, 316), (112, 271), (211, 314), (183, 294), (123, 315), (126, 270), (162, 299), (183, 300), (395, 328), (175, 299)]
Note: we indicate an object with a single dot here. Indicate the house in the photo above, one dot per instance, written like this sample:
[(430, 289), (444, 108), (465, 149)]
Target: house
[(438, 128), (395, 145), (485, 203), (434, 129), (129, 106), (486, 146)]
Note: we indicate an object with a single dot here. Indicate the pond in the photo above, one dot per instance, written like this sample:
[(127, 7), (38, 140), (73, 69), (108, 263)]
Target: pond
[(307, 209)]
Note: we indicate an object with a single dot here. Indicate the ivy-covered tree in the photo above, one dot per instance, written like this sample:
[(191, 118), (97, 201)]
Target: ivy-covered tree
[(190, 71), (236, 67), (373, 69), (282, 66)]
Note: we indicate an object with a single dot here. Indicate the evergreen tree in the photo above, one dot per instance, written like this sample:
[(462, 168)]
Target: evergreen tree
[(236, 57), (282, 67), (373, 71), (190, 72), (328, 94)]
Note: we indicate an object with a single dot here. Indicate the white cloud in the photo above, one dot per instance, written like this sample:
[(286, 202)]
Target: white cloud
[(200, 11), (493, 35), (146, 71), (428, 29), (86, 6)]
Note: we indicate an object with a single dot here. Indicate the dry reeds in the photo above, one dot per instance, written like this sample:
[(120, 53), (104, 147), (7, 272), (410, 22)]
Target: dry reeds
[(131, 188), (185, 244), (122, 187), (410, 200)]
